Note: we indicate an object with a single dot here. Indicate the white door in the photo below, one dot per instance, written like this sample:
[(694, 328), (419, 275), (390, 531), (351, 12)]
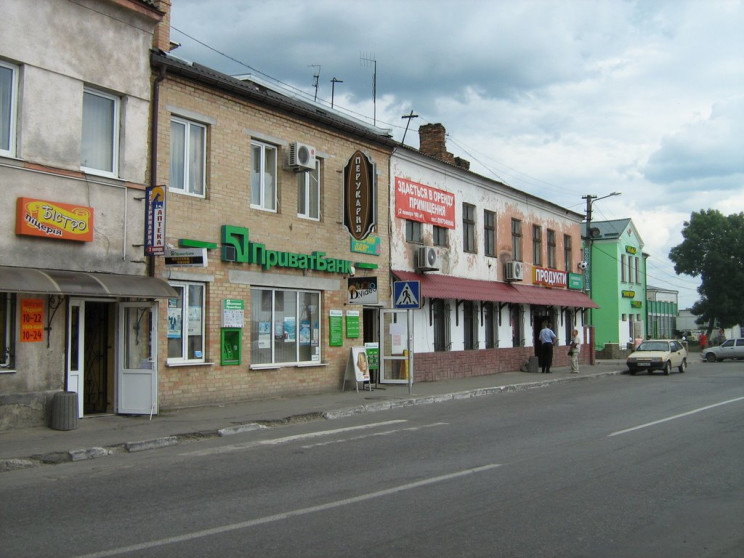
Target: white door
[(395, 336), (76, 350), (137, 377)]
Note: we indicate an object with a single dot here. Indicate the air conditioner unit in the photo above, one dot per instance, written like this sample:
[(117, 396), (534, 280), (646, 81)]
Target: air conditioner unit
[(429, 259), (514, 271), (301, 157)]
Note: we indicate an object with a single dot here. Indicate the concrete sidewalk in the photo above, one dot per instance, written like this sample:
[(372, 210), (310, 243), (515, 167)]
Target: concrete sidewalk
[(99, 436)]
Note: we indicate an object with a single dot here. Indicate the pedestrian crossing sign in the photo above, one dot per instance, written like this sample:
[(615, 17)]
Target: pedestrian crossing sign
[(407, 294)]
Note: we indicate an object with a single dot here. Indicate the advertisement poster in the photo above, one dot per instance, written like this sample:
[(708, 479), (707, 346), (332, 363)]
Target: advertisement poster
[(352, 324), (290, 329), (419, 202), (264, 335), (336, 328), (174, 319), (32, 320)]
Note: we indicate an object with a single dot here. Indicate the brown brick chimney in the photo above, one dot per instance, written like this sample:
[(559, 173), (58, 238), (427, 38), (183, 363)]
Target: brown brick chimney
[(161, 37), (432, 142)]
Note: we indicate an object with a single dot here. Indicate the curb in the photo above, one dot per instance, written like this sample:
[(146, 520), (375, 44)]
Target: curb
[(96, 452)]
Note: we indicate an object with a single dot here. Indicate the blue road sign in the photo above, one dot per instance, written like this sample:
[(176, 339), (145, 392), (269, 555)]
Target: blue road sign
[(407, 294)]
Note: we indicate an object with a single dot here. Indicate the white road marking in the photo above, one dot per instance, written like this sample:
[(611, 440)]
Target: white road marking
[(373, 434), (286, 515), (701, 409), (288, 439)]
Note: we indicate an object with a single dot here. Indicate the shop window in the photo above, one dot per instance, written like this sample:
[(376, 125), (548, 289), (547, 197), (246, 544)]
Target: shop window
[(7, 331), (470, 324), (263, 176), (308, 193), (100, 134), (441, 315), (186, 314), (468, 228), (188, 157), (516, 323), (8, 104), (440, 236), (489, 233), (413, 232), (551, 249), (537, 244), (285, 327), (516, 230)]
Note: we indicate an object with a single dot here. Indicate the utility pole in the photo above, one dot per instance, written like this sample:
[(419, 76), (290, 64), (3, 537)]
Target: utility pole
[(334, 81), (408, 117), (588, 238)]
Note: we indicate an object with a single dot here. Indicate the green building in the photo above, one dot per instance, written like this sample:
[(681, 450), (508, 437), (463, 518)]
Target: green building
[(616, 280), (662, 311)]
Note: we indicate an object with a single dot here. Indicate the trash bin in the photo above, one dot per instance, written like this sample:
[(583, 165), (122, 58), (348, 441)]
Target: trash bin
[(65, 410)]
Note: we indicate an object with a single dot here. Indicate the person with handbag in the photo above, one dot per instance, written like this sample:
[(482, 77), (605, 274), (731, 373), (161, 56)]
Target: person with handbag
[(574, 351)]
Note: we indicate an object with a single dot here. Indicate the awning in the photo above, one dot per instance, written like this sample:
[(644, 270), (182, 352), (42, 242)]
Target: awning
[(80, 283), (459, 288)]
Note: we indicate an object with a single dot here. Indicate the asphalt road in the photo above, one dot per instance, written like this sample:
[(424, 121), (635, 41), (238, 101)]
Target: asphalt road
[(619, 466)]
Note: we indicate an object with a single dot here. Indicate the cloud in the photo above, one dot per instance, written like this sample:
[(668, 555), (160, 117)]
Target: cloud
[(712, 148)]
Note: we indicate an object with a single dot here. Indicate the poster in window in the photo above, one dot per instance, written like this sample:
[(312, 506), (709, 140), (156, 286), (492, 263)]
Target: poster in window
[(305, 332), (290, 329), (174, 322), (195, 320), (264, 335)]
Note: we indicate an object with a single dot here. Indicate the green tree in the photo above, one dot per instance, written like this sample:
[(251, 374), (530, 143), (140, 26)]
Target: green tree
[(713, 249)]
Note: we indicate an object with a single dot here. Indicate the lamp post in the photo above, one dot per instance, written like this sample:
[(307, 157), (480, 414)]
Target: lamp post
[(590, 199)]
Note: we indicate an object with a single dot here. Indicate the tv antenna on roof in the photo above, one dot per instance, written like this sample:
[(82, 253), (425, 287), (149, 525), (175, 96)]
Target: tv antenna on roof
[(370, 59), (316, 78)]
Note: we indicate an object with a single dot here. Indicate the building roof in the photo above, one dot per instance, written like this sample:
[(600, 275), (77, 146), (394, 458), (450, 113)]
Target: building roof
[(250, 89)]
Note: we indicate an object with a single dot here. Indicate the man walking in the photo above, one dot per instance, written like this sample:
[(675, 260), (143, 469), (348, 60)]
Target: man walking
[(574, 352), (547, 338)]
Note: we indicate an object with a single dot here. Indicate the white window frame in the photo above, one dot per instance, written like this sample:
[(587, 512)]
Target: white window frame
[(258, 180), (307, 183), (185, 324), (295, 316), (11, 117), (115, 117), (186, 187), (7, 330)]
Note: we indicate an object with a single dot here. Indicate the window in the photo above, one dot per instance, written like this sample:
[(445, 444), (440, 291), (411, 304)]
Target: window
[(468, 227), (440, 236), (441, 312), (470, 325), (7, 331), (516, 323), (492, 316), (551, 249), (537, 244), (638, 270), (285, 327), (567, 251), (8, 101), (489, 233), (623, 265), (100, 137), (263, 176), (188, 157), (413, 232), (516, 228), (186, 314), (308, 193)]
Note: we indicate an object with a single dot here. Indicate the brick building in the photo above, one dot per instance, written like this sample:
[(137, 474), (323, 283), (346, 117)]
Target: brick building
[(283, 202)]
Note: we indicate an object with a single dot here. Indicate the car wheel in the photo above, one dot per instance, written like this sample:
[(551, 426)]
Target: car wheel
[(683, 366), (710, 357), (667, 368)]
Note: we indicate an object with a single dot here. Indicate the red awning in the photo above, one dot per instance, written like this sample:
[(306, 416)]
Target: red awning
[(459, 288)]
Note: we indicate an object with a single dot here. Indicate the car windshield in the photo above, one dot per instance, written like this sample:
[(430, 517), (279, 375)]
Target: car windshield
[(653, 346)]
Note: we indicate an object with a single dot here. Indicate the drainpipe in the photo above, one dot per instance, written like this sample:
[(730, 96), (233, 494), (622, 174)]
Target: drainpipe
[(155, 104)]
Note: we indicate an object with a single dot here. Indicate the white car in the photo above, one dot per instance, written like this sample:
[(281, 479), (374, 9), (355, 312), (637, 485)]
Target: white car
[(658, 354), (731, 348)]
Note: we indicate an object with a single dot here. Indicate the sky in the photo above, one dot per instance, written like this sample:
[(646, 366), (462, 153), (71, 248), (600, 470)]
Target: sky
[(558, 98)]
